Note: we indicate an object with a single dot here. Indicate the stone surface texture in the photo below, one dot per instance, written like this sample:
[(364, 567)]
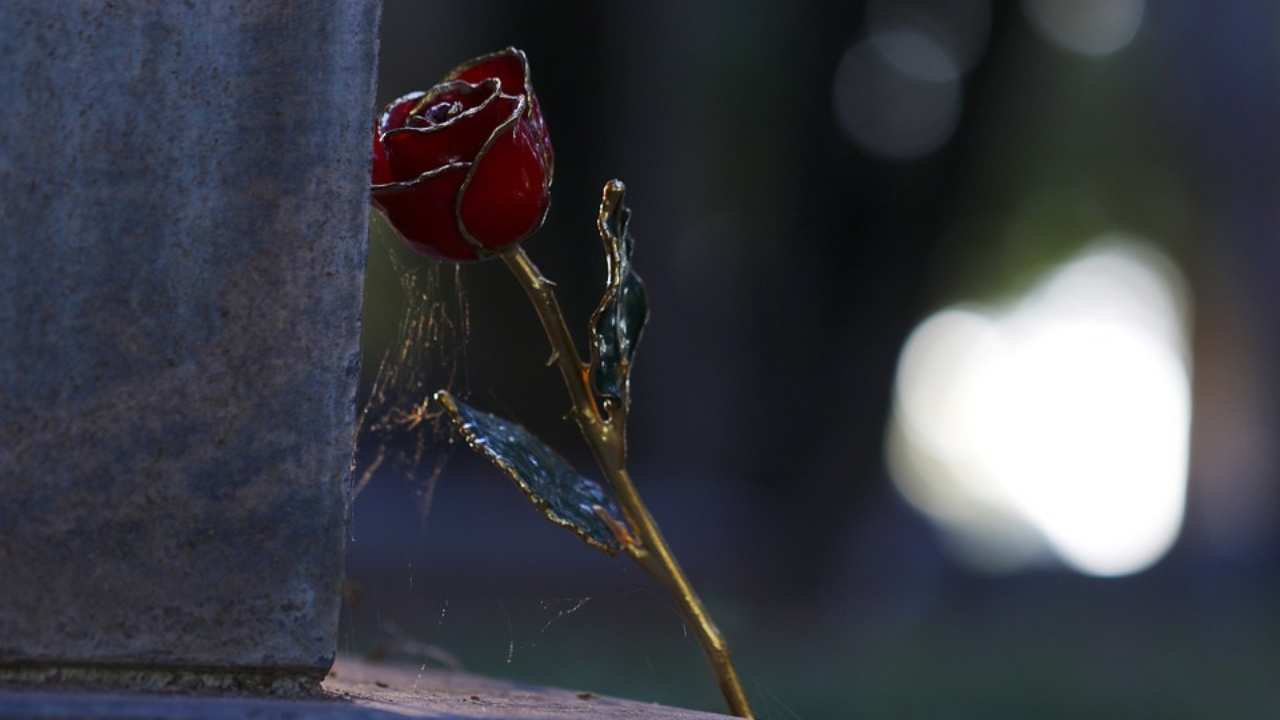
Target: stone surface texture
[(356, 691), (183, 231)]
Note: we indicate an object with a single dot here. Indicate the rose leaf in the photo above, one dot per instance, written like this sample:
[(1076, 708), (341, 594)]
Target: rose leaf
[(619, 319), (566, 498)]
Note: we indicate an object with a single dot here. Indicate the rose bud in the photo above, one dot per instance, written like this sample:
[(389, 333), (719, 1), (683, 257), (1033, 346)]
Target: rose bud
[(465, 168)]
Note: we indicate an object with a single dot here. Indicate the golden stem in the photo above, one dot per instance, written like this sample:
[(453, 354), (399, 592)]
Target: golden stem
[(608, 446), (564, 352)]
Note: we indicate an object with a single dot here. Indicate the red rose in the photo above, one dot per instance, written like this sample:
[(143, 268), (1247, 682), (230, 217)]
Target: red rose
[(465, 167)]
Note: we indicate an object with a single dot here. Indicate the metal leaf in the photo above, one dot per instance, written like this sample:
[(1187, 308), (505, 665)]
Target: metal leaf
[(564, 497), (619, 319)]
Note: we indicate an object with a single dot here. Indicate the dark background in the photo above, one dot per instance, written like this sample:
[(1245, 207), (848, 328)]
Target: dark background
[(800, 204)]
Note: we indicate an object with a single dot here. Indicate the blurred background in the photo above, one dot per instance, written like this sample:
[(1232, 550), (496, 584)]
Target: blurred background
[(958, 392)]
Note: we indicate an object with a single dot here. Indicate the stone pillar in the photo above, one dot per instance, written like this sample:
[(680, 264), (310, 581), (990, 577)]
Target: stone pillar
[(183, 224)]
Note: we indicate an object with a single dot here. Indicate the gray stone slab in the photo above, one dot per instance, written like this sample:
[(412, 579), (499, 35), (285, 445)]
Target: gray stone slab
[(356, 691), (183, 209)]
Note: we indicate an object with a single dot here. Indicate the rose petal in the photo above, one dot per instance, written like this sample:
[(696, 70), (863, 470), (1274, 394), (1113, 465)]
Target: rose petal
[(509, 65), (413, 151), (422, 211), (397, 113), (506, 195)]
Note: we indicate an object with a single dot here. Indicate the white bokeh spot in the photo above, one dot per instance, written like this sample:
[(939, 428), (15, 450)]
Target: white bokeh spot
[(1057, 425)]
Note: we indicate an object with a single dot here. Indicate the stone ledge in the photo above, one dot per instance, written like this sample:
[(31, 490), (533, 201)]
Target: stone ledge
[(278, 682), (355, 690)]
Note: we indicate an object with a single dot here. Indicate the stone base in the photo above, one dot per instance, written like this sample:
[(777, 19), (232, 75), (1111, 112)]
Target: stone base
[(354, 690), (181, 268), (277, 683)]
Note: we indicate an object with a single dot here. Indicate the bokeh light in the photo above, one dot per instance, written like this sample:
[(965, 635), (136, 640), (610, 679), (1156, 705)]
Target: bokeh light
[(898, 90), (897, 95), (962, 27), (1058, 425), (1087, 27)]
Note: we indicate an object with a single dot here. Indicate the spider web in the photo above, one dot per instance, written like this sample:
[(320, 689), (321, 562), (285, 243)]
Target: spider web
[(402, 437), (398, 431)]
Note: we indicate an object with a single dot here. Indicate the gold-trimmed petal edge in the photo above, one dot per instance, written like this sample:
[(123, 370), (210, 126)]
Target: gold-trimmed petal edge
[(380, 126), (506, 125), (527, 71), (481, 59), (402, 185), (444, 87)]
